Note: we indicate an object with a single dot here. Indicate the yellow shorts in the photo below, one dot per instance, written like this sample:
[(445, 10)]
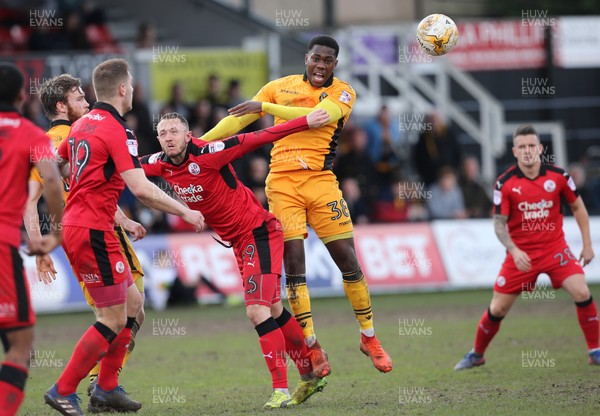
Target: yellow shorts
[(134, 264), (306, 196)]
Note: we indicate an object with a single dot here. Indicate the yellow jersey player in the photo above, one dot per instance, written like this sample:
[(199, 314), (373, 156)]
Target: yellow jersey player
[(64, 102), (301, 188)]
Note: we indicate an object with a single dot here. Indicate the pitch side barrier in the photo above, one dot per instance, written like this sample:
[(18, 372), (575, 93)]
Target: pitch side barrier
[(396, 258)]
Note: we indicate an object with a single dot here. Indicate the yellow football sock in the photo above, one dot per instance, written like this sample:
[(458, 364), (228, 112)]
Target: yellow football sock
[(299, 301), (93, 375), (357, 291)]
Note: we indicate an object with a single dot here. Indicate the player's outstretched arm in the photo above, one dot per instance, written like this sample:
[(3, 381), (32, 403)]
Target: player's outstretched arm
[(53, 196), (237, 146), (228, 126), (31, 218), (44, 265), (583, 221), (284, 112), (154, 197), (520, 258)]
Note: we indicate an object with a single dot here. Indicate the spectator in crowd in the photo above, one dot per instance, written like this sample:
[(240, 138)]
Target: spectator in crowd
[(32, 109), (477, 202), (146, 36), (201, 118), (213, 90), (357, 205), (234, 93), (258, 168), (177, 101), (383, 145), (72, 35), (144, 129), (406, 204), (41, 39), (435, 148), (91, 13), (445, 200), (354, 162), (590, 197)]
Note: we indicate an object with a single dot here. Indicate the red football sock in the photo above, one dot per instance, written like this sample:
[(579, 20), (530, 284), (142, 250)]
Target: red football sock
[(587, 314), (488, 327), (108, 378), (272, 344), (12, 383), (295, 347), (90, 349)]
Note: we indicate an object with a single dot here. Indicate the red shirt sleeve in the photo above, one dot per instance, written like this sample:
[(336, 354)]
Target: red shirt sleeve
[(501, 199), (568, 189), (151, 164), (63, 150), (226, 151), (123, 150)]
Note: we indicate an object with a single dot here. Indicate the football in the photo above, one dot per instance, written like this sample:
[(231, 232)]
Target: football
[(437, 34)]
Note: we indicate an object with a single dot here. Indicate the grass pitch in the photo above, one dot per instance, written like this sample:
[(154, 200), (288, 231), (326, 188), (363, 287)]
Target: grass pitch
[(206, 361)]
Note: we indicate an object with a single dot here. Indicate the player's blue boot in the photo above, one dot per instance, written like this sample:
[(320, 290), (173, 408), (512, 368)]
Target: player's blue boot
[(65, 405), (115, 400), (470, 360), (594, 357)]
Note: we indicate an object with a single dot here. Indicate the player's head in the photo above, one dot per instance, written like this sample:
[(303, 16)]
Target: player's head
[(174, 135), (63, 98), (113, 83), (526, 146), (321, 59), (11, 85)]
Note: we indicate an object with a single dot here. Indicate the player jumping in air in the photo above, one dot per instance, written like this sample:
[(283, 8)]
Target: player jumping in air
[(102, 151), (22, 144), (63, 101), (201, 175), (528, 222), (301, 188)]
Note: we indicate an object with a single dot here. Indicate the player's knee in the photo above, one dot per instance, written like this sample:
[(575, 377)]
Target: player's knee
[(257, 313), (115, 323), (498, 310), (118, 325), (276, 309), (343, 254), (134, 303), (18, 347), (580, 294)]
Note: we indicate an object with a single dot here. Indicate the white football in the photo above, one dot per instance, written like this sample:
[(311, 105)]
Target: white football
[(437, 34)]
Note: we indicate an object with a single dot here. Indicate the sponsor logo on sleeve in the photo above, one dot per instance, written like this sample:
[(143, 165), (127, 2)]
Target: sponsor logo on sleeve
[(215, 147), (497, 197), (571, 184), (132, 145), (346, 97), (154, 158)]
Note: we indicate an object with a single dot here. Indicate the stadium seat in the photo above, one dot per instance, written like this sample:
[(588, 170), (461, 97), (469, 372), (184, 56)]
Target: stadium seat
[(100, 38)]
